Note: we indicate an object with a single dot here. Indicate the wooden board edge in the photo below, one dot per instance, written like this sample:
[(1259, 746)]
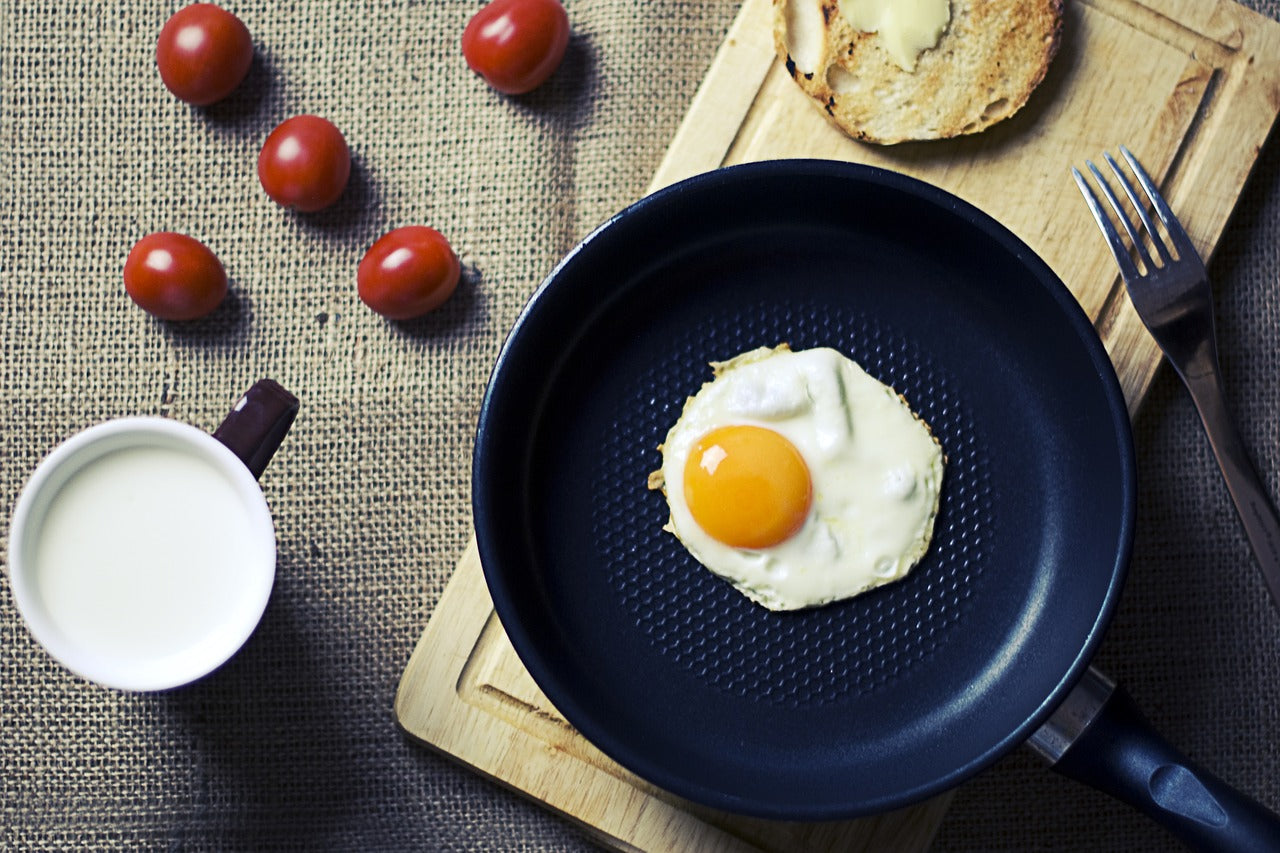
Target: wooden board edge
[(743, 59), (436, 717), (465, 618), (1227, 141)]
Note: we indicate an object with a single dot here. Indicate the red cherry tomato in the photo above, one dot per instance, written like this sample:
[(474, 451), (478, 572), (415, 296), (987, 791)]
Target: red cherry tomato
[(203, 53), (408, 272), (516, 44), (305, 163), (174, 277)]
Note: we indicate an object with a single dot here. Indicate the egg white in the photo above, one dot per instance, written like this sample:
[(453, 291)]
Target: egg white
[(876, 470)]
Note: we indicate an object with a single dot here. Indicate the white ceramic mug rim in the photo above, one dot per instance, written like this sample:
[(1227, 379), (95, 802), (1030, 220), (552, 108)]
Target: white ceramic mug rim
[(177, 669)]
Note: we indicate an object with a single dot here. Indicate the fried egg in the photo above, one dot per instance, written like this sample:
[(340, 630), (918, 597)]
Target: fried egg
[(800, 479)]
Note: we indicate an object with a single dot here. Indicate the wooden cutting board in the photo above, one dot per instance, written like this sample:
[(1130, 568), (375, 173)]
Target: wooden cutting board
[(1191, 87)]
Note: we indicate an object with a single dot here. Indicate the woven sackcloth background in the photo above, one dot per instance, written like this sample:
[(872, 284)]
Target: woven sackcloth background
[(293, 744)]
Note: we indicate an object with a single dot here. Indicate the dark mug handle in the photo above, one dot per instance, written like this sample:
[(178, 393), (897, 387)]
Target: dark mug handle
[(258, 423)]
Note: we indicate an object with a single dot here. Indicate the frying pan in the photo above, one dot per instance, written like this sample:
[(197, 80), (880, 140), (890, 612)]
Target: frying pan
[(873, 703)]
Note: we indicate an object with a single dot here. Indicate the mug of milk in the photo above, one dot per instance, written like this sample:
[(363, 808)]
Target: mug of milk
[(142, 551)]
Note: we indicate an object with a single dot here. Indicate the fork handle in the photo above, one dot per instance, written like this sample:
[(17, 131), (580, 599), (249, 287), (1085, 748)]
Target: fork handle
[(1257, 512)]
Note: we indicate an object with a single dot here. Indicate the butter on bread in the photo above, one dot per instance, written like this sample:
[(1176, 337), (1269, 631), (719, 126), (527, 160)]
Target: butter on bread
[(988, 60)]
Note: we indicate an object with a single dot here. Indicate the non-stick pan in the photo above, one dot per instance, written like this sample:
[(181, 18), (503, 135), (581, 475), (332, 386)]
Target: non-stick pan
[(860, 706)]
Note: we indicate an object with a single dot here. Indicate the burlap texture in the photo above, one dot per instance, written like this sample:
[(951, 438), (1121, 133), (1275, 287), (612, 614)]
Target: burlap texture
[(293, 745)]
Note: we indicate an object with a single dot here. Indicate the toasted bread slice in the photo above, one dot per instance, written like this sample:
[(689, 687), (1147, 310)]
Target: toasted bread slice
[(991, 56)]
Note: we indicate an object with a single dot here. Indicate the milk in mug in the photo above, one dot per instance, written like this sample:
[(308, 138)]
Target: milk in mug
[(143, 551)]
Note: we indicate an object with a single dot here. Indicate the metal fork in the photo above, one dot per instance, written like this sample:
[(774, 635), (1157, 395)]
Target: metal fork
[(1171, 295)]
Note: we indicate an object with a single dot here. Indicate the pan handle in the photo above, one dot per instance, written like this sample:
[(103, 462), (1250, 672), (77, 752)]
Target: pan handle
[(1100, 738)]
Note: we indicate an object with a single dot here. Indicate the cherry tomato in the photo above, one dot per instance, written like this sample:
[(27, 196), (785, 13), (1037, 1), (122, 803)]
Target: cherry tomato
[(203, 53), (174, 277), (305, 163), (408, 272), (516, 44)]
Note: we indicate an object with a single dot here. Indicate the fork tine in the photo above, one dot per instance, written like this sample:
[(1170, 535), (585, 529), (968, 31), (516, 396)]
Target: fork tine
[(1127, 268), (1180, 239), (1161, 249), (1114, 201)]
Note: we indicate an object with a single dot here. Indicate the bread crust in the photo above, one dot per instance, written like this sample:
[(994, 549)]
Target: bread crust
[(993, 54)]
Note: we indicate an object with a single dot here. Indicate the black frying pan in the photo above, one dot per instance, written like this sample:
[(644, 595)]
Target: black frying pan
[(861, 706)]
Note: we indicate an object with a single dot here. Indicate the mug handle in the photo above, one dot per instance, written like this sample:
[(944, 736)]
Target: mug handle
[(258, 423)]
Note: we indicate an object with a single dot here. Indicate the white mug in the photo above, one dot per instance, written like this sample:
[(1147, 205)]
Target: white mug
[(142, 552)]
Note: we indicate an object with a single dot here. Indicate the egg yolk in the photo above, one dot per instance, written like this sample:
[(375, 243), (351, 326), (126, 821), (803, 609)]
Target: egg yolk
[(747, 486)]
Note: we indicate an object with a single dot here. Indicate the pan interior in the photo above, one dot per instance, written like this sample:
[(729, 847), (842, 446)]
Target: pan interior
[(795, 660), (862, 705)]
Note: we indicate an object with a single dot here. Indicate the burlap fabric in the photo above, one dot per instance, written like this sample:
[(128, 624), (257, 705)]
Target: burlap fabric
[(292, 745)]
